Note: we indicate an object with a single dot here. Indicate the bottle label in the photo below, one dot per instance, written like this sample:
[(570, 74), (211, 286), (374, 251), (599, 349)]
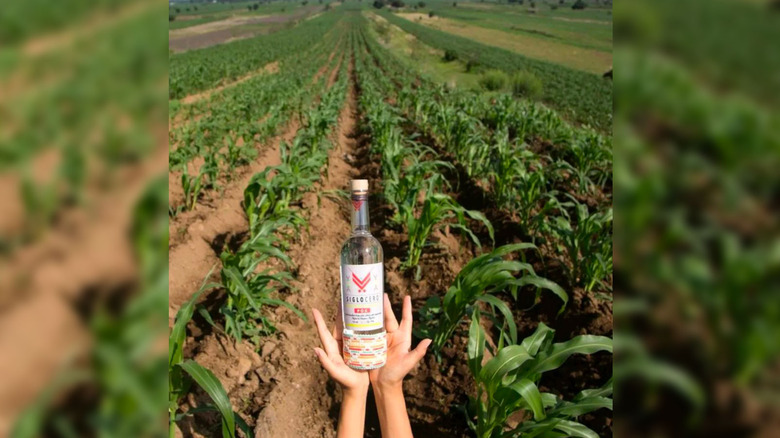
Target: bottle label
[(362, 287), (365, 352)]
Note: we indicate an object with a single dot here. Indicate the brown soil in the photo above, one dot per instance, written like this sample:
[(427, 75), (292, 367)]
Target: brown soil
[(230, 29)]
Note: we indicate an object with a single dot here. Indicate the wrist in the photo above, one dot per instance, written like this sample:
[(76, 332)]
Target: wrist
[(381, 389), (357, 391)]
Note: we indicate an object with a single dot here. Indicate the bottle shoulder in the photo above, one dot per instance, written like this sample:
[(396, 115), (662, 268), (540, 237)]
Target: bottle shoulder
[(362, 248)]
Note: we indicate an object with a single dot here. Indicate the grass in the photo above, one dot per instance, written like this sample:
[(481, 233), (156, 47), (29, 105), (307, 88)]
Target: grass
[(535, 41), (426, 59)]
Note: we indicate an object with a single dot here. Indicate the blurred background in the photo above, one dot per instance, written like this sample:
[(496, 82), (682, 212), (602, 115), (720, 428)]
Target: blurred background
[(83, 222), (697, 202)]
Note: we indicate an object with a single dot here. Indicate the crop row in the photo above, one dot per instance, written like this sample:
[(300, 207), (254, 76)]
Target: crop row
[(496, 141), (248, 276), (197, 70), (228, 126)]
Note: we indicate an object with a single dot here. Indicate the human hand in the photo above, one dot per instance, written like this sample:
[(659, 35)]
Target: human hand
[(400, 360), (332, 360)]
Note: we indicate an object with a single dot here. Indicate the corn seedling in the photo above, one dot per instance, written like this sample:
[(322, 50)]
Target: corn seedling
[(588, 244), (507, 383), (178, 385), (479, 282), (436, 210)]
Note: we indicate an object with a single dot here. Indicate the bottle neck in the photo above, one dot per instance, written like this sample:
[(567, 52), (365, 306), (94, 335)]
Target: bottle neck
[(360, 213)]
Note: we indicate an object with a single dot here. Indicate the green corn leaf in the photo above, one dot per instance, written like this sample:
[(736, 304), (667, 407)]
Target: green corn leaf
[(558, 353), (504, 309), (575, 409), (235, 277), (604, 391), (285, 304), (476, 344), (538, 339), (530, 393), (212, 386), (183, 317), (545, 284), (508, 359), (575, 430)]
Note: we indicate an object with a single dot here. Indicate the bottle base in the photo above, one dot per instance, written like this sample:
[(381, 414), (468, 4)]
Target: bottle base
[(364, 352)]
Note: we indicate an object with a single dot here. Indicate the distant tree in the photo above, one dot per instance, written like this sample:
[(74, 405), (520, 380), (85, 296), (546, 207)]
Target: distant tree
[(397, 4), (178, 11), (533, 4), (454, 4), (320, 1), (421, 4), (171, 17), (579, 4), (196, 8), (249, 8), (431, 14), (257, 6), (561, 2), (553, 7), (379, 4), (305, 2)]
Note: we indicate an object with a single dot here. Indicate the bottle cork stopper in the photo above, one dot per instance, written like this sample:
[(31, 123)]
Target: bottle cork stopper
[(359, 185)]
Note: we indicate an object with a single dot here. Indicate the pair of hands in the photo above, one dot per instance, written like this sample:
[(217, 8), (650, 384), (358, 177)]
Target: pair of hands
[(400, 359)]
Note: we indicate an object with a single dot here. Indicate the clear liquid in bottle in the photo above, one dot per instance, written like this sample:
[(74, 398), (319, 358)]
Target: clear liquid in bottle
[(362, 289)]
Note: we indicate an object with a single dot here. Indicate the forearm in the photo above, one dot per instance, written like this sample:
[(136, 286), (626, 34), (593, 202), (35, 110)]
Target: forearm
[(391, 408), (353, 413)]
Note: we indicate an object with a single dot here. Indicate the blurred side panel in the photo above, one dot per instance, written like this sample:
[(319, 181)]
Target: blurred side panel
[(83, 228), (697, 228)]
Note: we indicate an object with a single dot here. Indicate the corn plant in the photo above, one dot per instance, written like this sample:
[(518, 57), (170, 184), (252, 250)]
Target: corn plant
[(268, 197), (436, 211), (479, 282), (178, 386), (235, 155), (507, 383), (417, 177), (588, 244), (248, 291)]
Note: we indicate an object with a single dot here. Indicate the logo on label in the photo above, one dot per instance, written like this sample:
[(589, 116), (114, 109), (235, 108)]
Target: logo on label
[(356, 203), (361, 284)]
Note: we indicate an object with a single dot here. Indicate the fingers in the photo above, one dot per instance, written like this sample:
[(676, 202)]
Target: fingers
[(406, 319), (329, 366), (391, 323), (339, 325), (330, 345), (416, 355)]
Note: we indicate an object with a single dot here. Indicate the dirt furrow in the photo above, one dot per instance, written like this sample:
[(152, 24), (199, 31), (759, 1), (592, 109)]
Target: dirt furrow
[(303, 402), (207, 228), (191, 259)]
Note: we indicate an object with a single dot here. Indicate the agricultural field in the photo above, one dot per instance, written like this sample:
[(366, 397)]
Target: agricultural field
[(494, 212), (195, 26)]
